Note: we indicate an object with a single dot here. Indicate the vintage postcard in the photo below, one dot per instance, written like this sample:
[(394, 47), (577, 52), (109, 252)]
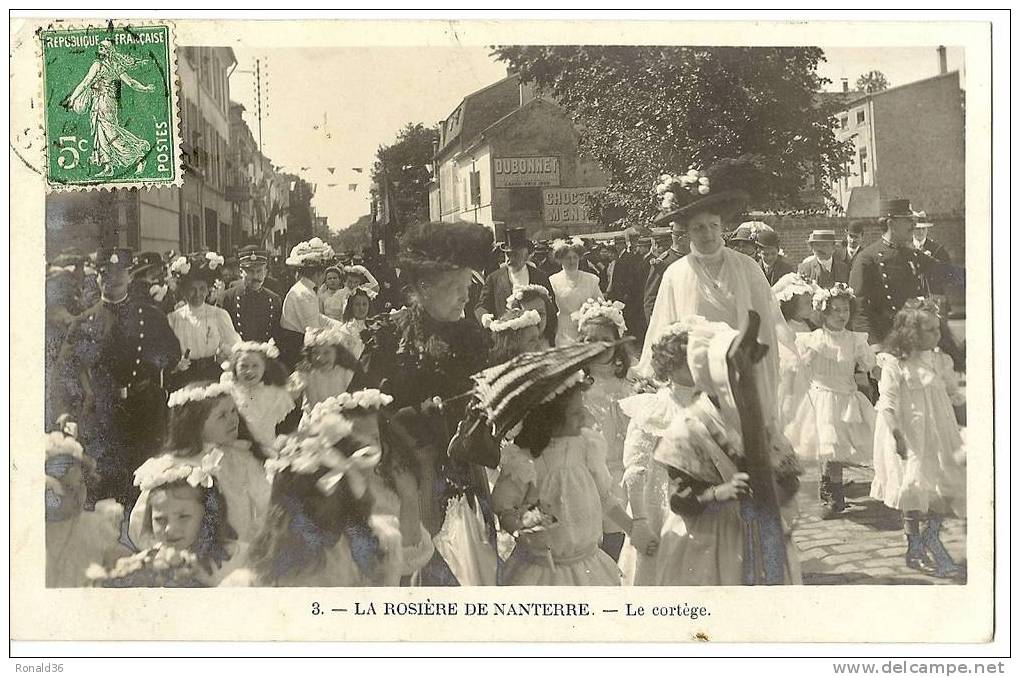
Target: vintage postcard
[(501, 331)]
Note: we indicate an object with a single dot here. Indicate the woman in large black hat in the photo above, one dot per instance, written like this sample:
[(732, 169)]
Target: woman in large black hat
[(429, 350), (713, 281), (206, 333)]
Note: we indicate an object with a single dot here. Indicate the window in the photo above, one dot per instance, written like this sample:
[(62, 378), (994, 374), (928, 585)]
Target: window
[(842, 122), (862, 159), (476, 188), (860, 117)]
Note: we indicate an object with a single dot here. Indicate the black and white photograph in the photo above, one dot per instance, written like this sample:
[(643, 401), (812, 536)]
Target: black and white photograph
[(583, 326)]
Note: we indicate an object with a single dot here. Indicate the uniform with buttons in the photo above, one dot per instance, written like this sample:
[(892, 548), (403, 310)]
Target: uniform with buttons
[(109, 376), (883, 277), (254, 312)]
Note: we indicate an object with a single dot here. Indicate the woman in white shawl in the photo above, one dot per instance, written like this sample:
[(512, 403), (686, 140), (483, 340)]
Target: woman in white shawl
[(714, 282)]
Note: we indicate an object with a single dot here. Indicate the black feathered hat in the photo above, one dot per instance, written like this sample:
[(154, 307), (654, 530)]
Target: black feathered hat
[(727, 185), (428, 248)]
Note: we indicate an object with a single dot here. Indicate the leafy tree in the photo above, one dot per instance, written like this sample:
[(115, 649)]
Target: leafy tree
[(400, 169), (644, 110), (872, 81), (354, 237)]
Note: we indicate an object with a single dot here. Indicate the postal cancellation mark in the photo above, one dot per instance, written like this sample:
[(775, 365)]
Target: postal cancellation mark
[(110, 97)]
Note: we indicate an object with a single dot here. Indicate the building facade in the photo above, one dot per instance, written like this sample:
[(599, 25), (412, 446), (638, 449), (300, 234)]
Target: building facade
[(507, 157)]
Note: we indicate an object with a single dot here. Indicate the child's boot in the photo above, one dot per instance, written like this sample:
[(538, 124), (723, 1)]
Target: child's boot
[(945, 567), (833, 498), (917, 555)]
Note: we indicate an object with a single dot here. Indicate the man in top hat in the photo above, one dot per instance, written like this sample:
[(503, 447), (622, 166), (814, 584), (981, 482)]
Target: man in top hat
[(627, 282), (773, 264), (822, 266), (677, 250), (852, 244), (517, 271), (254, 309), (889, 272), (109, 378)]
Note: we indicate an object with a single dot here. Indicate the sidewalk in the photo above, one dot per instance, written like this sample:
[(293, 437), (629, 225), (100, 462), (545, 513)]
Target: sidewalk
[(867, 545)]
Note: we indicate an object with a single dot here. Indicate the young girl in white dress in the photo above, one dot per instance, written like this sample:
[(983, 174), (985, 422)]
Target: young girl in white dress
[(356, 313), (571, 287), (75, 537), (794, 294), (919, 451), (321, 529), (326, 369), (341, 284), (835, 423), (535, 297), (260, 392), (646, 481), (394, 482), (558, 465), (185, 510), (203, 433), (603, 321)]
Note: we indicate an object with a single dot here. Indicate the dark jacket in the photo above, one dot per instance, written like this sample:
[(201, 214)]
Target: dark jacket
[(255, 314), (498, 287), (779, 268), (627, 284), (811, 269), (883, 277), (658, 267)]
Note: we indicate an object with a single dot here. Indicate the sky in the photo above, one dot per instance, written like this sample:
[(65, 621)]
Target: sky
[(327, 108)]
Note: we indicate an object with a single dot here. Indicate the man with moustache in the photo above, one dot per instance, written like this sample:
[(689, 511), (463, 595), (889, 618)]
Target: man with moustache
[(254, 309)]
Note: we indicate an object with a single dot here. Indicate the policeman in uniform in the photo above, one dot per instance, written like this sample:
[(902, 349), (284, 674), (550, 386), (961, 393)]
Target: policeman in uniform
[(109, 379), (890, 271), (254, 309), (148, 281), (677, 250)]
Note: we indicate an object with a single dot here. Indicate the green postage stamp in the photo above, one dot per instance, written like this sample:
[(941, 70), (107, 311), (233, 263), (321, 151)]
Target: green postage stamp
[(110, 106)]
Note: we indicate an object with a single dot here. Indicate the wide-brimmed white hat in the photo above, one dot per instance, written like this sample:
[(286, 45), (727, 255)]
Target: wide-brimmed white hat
[(310, 253)]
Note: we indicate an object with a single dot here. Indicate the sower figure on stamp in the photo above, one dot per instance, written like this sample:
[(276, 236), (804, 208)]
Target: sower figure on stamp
[(109, 378), (98, 96)]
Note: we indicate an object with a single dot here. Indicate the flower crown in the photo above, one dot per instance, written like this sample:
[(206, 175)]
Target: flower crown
[(793, 284), (923, 303), (574, 379), (595, 308), (821, 298), (268, 348), (695, 181), (327, 336), (59, 444), (167, 469), (198, 393), (313, 448), (517, 295), (529, 318), (559, 244), (163, 563), (369, 398)]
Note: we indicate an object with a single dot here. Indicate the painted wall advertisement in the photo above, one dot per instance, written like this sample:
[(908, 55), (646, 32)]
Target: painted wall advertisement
[(525, 172), (567, 205)]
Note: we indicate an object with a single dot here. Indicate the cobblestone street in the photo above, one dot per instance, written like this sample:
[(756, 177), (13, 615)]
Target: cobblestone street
[(866, 546)]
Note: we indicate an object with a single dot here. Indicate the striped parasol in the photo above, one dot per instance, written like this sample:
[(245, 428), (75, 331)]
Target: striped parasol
[(506, 392)]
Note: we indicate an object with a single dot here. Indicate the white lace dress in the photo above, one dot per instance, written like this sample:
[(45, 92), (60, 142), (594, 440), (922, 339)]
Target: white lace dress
[(571, 482), (263, 407), (650, 416), (919, 393), (571, 291), (835, 421)]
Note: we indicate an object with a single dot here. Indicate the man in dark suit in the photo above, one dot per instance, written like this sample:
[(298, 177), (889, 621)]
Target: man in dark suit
[(924, 242), (627, 283), (677, 250), (852, 244), (822, 267), (254, 309), (109, 378), (773, 264), (516, 272)]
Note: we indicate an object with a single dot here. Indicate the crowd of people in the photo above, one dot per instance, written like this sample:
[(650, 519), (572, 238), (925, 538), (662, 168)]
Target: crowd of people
[(209, 425)]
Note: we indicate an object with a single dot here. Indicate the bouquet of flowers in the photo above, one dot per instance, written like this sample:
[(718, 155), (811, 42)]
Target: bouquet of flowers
[(160, 566), (535, 520)]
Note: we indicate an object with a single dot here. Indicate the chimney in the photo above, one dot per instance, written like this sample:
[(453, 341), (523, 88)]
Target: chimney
[(943, 68), (846, 85)]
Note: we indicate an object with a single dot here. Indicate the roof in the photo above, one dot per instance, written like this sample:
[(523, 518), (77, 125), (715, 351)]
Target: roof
[(478, 110), (858, 96), (863, 202)]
